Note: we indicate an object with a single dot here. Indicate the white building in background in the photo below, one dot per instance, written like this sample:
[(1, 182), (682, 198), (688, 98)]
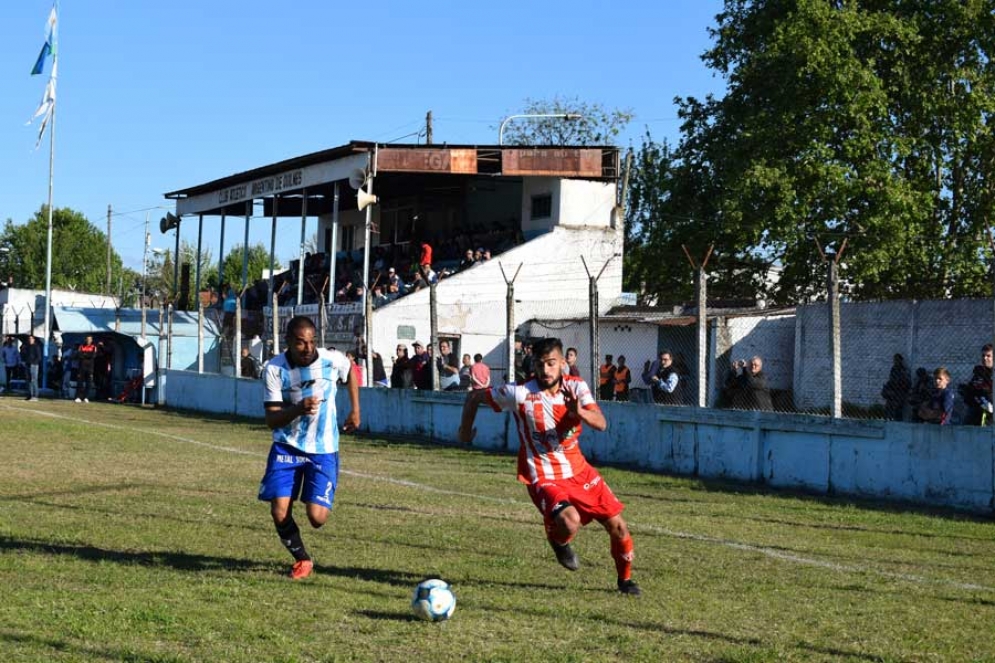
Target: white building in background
[(548, 214), (23, 311)]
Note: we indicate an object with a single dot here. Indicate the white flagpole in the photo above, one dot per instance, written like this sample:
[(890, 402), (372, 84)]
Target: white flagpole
[(48, 250)]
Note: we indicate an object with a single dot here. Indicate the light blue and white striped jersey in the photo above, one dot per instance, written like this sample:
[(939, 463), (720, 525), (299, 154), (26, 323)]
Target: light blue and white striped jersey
[(317, 433)]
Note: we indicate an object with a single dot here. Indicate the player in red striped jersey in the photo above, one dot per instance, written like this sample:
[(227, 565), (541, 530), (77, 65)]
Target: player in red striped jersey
[(550, 411)]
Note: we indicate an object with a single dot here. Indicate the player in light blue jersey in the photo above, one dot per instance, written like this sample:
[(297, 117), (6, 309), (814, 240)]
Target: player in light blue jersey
[(303, 463)]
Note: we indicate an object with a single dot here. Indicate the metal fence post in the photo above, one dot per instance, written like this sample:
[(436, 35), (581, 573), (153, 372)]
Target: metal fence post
[(700, 286), (200, 336), (236, 361), (509, 327), (433, 332), (834, 339)]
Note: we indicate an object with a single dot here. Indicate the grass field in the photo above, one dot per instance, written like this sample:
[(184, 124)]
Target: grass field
[(134, 535)]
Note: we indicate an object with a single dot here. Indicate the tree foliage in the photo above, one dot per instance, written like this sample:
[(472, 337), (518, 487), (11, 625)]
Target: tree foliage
[(870, 121), (79, 254), (594, 124), (232, 265)]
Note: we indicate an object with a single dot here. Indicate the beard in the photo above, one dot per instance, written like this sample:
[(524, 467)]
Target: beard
[(549, 384)]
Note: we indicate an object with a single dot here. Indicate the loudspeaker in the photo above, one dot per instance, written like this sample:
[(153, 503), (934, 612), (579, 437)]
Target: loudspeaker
[(169, 222), (363, 199), (357, 178)]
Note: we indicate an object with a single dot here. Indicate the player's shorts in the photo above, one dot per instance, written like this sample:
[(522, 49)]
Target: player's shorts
[(310, 478), (587, 492)]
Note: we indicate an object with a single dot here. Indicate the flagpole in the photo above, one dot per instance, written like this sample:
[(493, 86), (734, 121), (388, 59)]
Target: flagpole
[(48, 250)]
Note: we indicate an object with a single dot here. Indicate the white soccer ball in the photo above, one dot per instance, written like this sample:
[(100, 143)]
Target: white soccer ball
[(433, 600)]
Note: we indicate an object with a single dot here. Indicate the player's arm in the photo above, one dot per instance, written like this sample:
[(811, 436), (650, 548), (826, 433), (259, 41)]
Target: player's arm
[(589, 413), (352, 388), (279, 415), (470, 405)]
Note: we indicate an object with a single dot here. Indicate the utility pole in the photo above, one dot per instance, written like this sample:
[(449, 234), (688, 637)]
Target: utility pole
[(108, 287), (428, 128)]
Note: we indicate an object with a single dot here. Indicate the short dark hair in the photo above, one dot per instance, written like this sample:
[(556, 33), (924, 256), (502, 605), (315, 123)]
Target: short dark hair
[(987, 347), (546, 345), (299, 322), (478, 357)]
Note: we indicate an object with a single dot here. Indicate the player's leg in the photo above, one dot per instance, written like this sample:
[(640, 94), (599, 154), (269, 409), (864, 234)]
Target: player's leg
[(279, 486), (321, 478), (622, 553), (560, 520)]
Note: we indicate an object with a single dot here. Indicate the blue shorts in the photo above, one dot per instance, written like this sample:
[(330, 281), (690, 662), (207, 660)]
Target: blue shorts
[(310, 478)]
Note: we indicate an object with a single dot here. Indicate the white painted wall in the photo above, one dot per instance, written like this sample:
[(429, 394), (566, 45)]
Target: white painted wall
[(586, 203), (19, 307), (552, 284), (538, 186)]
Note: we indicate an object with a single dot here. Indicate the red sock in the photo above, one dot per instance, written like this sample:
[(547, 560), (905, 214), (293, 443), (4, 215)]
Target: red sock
[(622, 554)]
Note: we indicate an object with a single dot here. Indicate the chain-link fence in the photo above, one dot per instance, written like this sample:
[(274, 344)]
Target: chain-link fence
[(860, 360)]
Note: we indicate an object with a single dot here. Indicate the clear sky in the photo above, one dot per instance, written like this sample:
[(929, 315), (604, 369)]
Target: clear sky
[(160, 96)]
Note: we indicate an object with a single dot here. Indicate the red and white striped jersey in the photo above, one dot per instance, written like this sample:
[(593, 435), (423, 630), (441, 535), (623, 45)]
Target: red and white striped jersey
[(548, 433)]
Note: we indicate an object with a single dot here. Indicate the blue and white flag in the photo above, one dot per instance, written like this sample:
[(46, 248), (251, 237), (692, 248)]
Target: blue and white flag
[(48, 48), (47, 105)]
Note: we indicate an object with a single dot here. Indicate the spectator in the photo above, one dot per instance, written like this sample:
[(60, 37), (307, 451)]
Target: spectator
[(401, 373), (978, 392), (425, 260), (228, 307), (895, 391), (467, 262), (11, 359), (379, 374), (921, 392), (379, 298), (68, 366), (480, 373), (464, 372), (664, 380), (249, 367), (521, 370), (421, 367), (940, 406), (357, 370), (572, 368), (486, 256), (31, 357), (623, 377), (86, 355), (448, 367), (749, 388), (606, 380)]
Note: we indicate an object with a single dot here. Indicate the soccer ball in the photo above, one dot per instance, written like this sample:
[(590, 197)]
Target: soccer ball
[(433, 600)]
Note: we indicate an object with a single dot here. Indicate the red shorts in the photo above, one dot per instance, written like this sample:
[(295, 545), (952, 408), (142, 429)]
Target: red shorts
[(587, 492)]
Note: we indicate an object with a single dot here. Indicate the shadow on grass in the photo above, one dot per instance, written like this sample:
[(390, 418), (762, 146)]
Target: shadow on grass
[(189, 562), (83, 651), (389, 616)]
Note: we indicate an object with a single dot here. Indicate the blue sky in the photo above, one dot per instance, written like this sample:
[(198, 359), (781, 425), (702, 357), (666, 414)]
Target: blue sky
[(159, 96)]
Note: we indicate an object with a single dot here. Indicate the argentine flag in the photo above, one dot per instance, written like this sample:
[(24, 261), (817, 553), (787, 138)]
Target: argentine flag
[(48, 48)]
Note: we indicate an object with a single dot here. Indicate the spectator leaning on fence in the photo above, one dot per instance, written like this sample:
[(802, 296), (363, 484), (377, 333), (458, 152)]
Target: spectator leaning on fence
[(940, 406), (572, 369), (663, 380), (978, 392), (606, 380), (623, 377), (895, 391), (749, 388)]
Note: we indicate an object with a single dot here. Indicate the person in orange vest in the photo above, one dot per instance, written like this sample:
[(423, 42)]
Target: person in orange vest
[(606, 380), (622, 379)]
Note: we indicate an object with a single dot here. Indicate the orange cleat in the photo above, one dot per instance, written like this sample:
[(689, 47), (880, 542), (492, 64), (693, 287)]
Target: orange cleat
[(302, 569)]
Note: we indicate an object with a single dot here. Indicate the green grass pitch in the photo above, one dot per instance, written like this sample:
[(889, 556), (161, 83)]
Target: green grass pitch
[(131, 534)]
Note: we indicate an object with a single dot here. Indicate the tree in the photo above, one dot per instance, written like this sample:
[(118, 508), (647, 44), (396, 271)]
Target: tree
[(258, 261), (870, 121), (79, 253), (160, 269), (595, 125)]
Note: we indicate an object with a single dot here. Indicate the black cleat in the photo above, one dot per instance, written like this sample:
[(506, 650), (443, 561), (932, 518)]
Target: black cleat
[(565, 555), (629, 588)]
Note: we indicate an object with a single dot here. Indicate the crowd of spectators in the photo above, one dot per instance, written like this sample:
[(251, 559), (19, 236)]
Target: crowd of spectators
[(932, 398), (395, 270)]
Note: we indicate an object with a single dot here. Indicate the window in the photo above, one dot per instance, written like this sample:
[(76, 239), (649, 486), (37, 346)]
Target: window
[(542, 206)]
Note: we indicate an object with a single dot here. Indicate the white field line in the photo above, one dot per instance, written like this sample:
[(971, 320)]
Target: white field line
[(735, 545)]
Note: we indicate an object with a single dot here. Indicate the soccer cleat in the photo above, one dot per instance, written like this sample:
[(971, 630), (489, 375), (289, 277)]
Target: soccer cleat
[(565, 555), (302, 569), (86, 400), (78, 400), (629, 588)]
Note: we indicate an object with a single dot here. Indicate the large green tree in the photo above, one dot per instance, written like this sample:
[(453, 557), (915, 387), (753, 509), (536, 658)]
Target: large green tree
[(232, 265), (589, 123), (79, 254), (869, 121)]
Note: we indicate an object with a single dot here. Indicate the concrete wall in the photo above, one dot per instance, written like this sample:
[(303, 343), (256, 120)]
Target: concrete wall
[(950, 466), (929, 334)]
